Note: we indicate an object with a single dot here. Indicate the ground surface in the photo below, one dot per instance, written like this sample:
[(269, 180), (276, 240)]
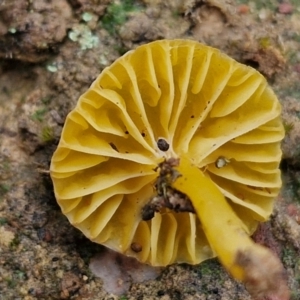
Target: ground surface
[(50, 52)]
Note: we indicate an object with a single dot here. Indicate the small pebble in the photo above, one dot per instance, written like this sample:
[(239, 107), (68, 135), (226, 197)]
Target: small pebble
[(118, 272), (243, 9), (285, 8), (84, 278), (292, 210), (297, 68), (44, 235)]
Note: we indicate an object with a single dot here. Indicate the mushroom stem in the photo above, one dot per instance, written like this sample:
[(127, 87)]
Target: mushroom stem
[(255, 265)]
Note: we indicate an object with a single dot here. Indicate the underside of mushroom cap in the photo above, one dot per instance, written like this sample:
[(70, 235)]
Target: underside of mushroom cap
[(163, 100)]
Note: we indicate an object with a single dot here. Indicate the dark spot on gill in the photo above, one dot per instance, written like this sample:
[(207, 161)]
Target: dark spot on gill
[(114, 146), (136, 247), (163, 145)]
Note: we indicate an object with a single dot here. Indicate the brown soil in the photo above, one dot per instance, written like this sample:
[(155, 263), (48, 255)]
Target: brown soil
[(50, 52)]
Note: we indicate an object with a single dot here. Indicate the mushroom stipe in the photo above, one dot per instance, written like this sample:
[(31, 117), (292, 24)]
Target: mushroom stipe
[(172, 156)]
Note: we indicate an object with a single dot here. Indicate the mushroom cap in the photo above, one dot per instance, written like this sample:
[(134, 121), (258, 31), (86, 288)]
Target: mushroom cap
[(166, 99)]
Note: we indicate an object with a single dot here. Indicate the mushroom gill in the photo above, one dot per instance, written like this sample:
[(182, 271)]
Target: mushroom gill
[(175, 105)]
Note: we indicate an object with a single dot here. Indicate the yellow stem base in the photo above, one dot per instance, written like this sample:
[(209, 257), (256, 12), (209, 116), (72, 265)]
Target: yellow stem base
[(256, 266)]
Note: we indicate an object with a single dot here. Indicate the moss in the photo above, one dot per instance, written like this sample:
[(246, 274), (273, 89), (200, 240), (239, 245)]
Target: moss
[(286, 254), (39, 114), (269, 4), (5, 165), (47, 134), (294, 2), (3, 221), (5, 172), (117, 14), (292, 57), (296, 37), (13, 280), (14, 243), (210, 267), (265, 42), (120, 49), (290, 259), (11, 283), (295, 295), (42, 110), (4, 188), (293, 187), (288, 127), (176, 14)]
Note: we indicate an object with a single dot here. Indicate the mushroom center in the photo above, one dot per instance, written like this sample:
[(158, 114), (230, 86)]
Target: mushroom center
[(166, 196)]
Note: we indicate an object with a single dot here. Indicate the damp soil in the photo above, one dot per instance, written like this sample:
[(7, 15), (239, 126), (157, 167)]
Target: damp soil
[(50, 52)]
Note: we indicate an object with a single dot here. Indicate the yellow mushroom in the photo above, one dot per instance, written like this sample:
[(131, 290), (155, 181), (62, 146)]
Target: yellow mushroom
[(171, 156)]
